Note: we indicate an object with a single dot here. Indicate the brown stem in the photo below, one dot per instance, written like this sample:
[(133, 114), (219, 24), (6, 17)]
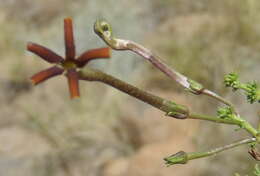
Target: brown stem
[(172, 109)]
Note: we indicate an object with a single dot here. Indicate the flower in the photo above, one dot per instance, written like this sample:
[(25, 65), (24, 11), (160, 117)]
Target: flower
[(69, 65), (180, 157), (231, 80), (252, 92), (225, 112)]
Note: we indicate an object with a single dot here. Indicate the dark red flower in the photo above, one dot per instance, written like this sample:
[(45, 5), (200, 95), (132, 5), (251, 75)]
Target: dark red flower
[(70, 64)]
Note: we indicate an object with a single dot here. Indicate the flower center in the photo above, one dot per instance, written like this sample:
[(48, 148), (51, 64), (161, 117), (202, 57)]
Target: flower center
[(68, 64)]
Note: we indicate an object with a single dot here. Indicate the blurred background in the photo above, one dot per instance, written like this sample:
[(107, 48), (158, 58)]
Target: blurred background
[(105, 132)]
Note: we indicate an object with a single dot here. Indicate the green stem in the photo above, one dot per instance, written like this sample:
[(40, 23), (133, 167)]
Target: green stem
[(217, 97), (214, 119), (220, 149), (183, 157), (249, 128), (244, 87), (258, 121)]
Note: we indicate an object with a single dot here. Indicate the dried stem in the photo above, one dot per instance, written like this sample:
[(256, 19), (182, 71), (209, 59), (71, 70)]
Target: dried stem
[(172, 109), (104, 30)]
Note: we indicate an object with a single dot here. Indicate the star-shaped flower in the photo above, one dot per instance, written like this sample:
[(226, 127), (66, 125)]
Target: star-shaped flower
[(70, 64)]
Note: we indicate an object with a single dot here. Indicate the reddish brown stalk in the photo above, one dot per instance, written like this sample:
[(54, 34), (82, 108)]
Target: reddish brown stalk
[(45, 53), (99, 53), (73, 82), (46, 74), (69, 39)]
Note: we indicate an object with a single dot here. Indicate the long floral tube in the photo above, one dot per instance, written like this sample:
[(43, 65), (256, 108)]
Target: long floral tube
[(43, 52), (73, 82), (69, 39), (104, 30), (99, 53)]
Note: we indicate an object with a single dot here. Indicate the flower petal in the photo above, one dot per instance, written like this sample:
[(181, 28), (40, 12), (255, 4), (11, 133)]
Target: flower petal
[(73, 81), (46, 74), (44, 53), (69, 39), (98, 53)]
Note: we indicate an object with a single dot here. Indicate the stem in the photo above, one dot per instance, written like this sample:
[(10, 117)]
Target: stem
[(244, 87), (104, 30), (183, 157), (258, 114), (214, 119), (249, 128), (171, 108), (221, 149), (156, 61), (217, 97)]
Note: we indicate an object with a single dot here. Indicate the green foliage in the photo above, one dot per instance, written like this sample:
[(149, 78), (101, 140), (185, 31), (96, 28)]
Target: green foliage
[(251, 89), (195, 87), (225, 112), (252, 92), (231, 80)]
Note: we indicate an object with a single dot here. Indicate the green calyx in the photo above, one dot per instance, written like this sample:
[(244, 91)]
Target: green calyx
[(177, 115), (195, 87), (104, 30), (176, 110), (178, 158), (68, 64)]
